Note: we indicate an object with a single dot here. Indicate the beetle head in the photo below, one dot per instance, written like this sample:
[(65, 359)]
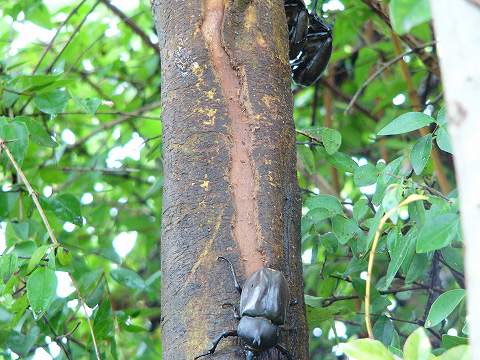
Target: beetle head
[(257, 333)]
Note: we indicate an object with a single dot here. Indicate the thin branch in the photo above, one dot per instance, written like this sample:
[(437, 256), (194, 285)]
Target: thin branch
[(60, 343), (4, 147), (57, 57), (112, 124), (340, 95), (99, 113), (129, 22), (332, 299), (428, 59), (380, 70), (33, 194), (70, 39), (50, 44)]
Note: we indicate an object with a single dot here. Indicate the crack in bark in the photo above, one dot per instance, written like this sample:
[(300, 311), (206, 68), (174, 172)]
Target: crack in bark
[(245, 225)]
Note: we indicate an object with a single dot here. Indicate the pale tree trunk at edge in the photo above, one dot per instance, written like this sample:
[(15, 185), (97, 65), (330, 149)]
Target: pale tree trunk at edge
[(229, 162), (457, 30)]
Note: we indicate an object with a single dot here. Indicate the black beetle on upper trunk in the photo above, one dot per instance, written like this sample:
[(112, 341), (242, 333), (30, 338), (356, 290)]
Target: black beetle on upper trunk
[(263, 310), (310, 42)]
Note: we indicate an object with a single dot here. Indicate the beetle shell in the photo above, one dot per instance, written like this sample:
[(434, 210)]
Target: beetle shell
[(297, 16), (258, 333), (265, 294), (315, 54)]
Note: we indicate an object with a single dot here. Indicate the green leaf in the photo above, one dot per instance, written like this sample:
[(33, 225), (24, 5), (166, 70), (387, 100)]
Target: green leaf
[(392, 197), (442, 117), (421, 153), (461, 352), (383, 330), (366, 349), (402, 247), (37, 257), (52, 102), (37, 131), (65, 207), (128, 278), (360, 209), (344, 229), (103, 321), (406, 14), (449, 341), (417, 346), (8, 265), (365, 175), (405, 123), (41, 290), (444, 306), (332, 140), (443, 140), (328, 202), (20, 229), (438, 231), (64, 256), (306, 157), (89, 105), (16, 135), (342, 162)]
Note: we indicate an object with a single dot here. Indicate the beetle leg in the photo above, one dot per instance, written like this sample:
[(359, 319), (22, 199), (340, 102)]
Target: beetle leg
[(236, 314), (284, 351), (232, 269), (215, 342), (314, 6)]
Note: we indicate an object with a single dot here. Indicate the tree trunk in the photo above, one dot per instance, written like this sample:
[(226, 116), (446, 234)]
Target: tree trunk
[(229, 160), (456, 28)]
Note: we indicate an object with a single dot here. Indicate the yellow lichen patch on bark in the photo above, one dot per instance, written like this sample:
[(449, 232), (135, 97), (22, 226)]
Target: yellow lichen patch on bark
[(250, 17), (210, 113), (268, 100), (261, 41)]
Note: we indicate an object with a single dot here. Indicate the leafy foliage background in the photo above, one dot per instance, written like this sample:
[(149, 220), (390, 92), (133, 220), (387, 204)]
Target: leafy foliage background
[(82, 118)]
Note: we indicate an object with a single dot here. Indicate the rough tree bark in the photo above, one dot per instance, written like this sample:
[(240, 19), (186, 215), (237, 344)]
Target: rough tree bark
[(229, 161), (456, 28)]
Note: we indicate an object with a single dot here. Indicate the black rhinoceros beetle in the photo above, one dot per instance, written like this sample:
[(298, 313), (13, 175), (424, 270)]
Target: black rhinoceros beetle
[(263, 310), (308, 56), (297, 20)]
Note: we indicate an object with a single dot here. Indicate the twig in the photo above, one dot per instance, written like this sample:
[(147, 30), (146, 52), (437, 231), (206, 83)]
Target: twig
[(57, 57), (4, 147), (60, 343), (98, 113), (106, 126), (383, 220), (75, 31), (311, 137), (340, 95), (135, 28), (50, 44), (412, 42), (380, 70)]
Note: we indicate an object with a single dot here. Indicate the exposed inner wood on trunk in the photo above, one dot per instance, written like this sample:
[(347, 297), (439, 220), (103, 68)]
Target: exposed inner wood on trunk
[(242, 175)]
